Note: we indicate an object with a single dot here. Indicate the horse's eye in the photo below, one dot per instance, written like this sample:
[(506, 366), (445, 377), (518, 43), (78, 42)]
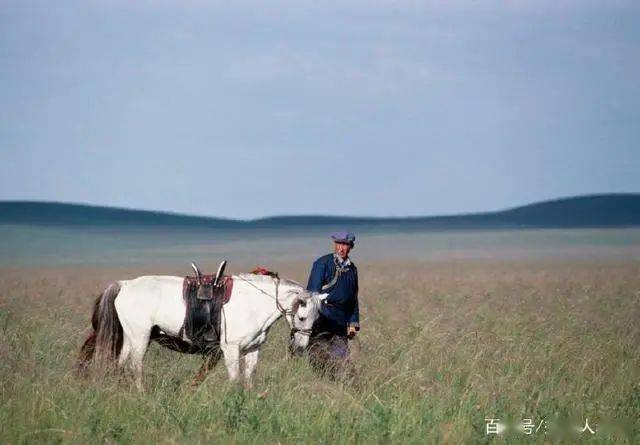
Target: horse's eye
[(303, 303)]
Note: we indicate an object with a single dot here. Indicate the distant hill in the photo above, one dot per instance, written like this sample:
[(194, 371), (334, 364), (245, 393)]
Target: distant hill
[(64, 214), (612, 210)]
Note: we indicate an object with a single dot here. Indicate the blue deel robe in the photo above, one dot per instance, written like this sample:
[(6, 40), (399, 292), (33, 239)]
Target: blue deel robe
[(340, 309)]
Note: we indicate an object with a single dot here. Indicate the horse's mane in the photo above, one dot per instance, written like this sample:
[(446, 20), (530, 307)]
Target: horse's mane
[(268, 279)]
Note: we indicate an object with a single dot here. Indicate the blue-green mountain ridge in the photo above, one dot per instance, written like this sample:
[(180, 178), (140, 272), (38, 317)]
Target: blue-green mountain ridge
[(607, 210)]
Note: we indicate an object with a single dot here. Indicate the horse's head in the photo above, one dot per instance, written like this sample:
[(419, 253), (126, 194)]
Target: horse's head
[(304, 313)]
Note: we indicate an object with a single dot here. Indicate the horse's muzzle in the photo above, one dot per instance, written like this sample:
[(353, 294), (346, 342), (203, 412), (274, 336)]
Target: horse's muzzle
[(295, 348)]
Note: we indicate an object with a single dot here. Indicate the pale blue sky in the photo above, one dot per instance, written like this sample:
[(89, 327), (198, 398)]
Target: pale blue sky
[(248, 109)]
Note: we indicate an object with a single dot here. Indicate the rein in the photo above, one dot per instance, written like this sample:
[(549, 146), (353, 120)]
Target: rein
[(281, 309)]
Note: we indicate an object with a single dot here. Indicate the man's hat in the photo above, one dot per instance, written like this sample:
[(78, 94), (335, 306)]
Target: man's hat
[(343, 237)]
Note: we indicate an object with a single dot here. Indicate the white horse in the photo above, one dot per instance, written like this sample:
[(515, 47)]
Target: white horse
[(130, 313)]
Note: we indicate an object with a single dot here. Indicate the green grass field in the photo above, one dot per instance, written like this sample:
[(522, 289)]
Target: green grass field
[(444, 345)]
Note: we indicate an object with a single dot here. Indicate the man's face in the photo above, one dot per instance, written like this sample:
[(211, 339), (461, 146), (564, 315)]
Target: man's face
[(342, 249)]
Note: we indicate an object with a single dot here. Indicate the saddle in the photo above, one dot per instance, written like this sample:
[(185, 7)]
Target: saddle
[(204, 296)]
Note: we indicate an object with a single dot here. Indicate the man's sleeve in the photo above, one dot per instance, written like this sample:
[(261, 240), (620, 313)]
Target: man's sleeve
[(316, 276), (354, 320)]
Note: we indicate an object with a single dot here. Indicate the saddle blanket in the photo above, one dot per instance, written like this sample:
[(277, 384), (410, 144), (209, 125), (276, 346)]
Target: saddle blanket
[(204, 303)]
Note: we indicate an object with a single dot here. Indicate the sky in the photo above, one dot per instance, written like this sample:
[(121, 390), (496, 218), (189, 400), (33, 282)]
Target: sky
[(369, 108)]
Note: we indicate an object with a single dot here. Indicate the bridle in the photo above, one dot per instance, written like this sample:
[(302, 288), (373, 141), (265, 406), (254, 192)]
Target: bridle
[(286, 312)]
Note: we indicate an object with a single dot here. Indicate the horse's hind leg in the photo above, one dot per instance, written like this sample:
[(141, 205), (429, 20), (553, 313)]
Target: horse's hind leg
[(210, 360), (134, 347), (138, 350), (125, 352)]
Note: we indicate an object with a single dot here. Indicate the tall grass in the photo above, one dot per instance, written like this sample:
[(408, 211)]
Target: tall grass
[(443, 346)]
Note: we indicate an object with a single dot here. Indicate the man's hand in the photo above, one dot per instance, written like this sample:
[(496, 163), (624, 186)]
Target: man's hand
[(351, 331)]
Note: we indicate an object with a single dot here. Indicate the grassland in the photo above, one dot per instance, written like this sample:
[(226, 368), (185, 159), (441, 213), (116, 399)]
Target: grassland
[(444, 345)]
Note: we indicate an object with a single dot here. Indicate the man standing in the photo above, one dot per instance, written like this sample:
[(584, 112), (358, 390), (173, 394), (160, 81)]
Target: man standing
[(336, 275)]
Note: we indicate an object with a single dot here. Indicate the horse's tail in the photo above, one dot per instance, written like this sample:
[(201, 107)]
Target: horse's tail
[(105, 342), (85, 357)]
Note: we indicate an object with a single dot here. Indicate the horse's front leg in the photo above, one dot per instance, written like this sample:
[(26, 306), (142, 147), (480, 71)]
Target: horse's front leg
[(250, 362), (232, 361)]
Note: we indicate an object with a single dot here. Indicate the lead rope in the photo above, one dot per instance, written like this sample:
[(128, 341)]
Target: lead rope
[(276, 280), (279, 306), (282, 310)]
